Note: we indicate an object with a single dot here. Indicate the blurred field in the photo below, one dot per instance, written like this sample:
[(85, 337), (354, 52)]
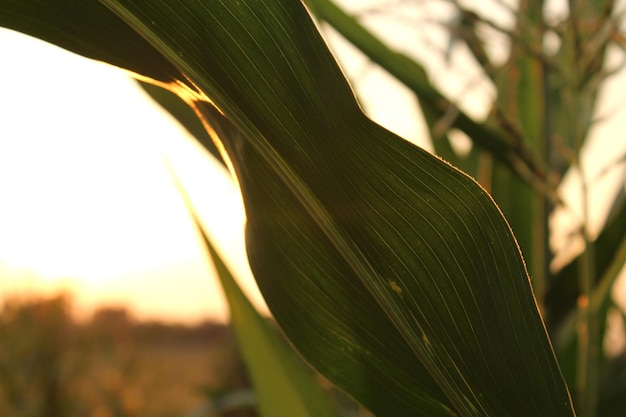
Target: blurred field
[(112, 365)]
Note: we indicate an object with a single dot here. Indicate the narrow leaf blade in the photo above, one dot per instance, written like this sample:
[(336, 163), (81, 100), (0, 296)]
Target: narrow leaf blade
[(283, 386)]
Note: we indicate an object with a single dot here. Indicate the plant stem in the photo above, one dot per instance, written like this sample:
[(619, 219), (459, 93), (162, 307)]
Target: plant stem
[(588, 330)]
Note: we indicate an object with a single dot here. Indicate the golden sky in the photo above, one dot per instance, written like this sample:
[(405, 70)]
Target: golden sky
[(87, 202)]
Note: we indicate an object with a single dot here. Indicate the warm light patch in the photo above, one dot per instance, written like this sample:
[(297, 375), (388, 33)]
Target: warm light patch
[(87, 202)]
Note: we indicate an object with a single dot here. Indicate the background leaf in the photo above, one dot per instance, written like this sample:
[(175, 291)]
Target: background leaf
[(283, 386)]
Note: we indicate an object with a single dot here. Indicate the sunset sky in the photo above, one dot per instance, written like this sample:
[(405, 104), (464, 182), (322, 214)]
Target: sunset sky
[(87, 203)]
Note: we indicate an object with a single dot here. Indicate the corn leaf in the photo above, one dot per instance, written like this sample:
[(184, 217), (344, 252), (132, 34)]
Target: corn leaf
[(376, 258)]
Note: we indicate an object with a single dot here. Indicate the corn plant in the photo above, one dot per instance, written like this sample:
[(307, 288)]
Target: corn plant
[(391, 272)]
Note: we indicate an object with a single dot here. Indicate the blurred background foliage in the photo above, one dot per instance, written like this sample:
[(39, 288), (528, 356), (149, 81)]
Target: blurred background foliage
[(112, 365)]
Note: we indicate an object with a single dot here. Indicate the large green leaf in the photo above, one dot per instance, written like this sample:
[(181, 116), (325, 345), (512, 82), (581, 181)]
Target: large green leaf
[(392, 272)]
